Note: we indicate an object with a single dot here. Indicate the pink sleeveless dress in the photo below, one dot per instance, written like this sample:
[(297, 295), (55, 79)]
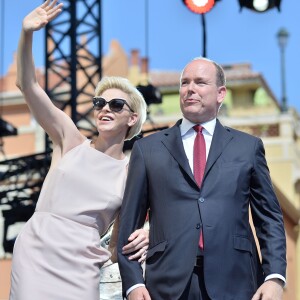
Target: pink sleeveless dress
[(57, 254)]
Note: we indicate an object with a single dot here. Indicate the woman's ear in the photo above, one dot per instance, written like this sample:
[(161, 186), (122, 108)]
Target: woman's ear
[(133, 119)]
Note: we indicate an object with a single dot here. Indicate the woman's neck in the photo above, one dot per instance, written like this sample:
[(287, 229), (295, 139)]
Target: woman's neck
[(112, 148)]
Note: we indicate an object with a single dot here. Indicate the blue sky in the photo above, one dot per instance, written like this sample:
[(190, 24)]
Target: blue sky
[(175, 36)]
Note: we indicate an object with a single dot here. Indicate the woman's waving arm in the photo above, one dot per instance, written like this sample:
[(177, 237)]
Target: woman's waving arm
[(55, 122)]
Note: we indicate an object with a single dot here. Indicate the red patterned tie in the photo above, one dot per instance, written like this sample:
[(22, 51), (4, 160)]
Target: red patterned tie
[(199, 163)]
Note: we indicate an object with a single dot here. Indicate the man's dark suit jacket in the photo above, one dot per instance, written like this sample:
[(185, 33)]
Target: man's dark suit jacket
[(236, 176)]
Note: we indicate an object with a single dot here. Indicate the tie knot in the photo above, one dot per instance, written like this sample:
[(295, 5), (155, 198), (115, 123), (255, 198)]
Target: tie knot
[(198, 128)]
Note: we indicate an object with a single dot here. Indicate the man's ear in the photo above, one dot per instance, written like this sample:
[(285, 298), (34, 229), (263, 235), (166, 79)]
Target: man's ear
[(221, 94)]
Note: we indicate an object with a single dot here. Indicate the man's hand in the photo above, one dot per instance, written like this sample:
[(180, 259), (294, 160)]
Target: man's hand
[(139, 293), (271, 289)]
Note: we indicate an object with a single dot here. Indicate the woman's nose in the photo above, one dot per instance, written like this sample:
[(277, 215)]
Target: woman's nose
[(106, 107)]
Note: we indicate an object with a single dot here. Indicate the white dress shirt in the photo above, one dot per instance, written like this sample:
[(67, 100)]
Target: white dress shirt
[(188, 135)]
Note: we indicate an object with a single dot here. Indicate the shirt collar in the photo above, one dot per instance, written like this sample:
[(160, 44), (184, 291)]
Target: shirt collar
[(186, 125)]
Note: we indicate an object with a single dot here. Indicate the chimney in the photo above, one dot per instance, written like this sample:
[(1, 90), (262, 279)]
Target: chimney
[(135, 57), (144, 65)]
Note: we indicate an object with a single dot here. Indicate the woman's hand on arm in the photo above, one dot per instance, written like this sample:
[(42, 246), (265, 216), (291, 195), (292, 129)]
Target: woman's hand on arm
[(138, 243)]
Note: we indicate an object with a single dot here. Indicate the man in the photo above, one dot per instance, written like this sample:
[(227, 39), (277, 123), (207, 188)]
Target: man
[(201, 243)]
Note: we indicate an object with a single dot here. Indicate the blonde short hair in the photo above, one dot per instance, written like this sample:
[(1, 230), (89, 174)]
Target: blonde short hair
[(137, 102)]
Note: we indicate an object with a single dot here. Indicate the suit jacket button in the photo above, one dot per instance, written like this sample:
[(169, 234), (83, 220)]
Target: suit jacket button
[(198, 226), (201, 199)]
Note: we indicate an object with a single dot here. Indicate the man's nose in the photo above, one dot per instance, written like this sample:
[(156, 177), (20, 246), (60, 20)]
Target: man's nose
[(191, 86)]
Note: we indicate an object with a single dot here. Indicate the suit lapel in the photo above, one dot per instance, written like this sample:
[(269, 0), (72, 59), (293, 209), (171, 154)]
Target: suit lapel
[(173, 142), (220, 139)]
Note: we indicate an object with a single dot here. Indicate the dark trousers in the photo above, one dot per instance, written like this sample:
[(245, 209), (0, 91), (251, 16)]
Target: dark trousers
[(195, 289)]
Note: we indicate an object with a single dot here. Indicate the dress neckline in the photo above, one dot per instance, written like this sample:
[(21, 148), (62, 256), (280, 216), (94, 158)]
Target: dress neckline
[(88, 143)]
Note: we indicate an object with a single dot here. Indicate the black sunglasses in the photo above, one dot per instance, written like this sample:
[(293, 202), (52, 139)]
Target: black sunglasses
[(115, 105)]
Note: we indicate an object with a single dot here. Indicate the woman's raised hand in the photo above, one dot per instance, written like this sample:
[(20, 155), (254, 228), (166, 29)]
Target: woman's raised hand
[(43, 14)]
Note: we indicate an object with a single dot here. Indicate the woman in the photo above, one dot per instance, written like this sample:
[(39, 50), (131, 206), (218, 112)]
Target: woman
[(57, 254)]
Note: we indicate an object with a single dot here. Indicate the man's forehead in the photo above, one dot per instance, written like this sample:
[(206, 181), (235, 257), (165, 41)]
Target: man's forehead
[(195, 76), (199, 70)]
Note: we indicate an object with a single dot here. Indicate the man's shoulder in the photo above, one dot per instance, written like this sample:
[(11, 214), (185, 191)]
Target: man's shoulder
[(240, 133), (157, 135)]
